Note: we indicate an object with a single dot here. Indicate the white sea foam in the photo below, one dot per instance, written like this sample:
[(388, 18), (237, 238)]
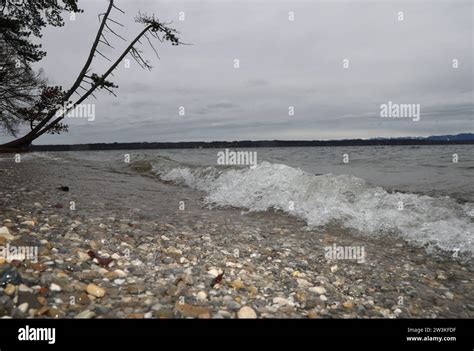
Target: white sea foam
[(438, 222)]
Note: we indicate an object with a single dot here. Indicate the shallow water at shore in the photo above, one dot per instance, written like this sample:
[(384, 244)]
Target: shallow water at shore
[(428, 170), (425, 197)]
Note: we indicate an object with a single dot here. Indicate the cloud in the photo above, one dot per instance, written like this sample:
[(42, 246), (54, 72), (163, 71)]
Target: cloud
[(220, 105), (258, 82), (282, 63)]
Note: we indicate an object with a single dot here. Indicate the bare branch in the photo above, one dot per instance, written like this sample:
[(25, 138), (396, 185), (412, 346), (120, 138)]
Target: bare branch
[(118, 23), (101, 54), (107, 44), (112, 31), (110, 91), (115, 7), (149, 42)]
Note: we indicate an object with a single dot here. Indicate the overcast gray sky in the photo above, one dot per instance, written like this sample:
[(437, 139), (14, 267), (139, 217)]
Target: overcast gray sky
[(282, 63)]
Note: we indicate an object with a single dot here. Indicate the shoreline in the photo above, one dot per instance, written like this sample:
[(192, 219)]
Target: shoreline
[(248, 144), (165, 259)]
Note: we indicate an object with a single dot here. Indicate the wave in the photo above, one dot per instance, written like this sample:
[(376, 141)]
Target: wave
[(434, 222)]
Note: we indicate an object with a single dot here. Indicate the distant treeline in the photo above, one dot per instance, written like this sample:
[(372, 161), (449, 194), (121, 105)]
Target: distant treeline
[(245, 144)]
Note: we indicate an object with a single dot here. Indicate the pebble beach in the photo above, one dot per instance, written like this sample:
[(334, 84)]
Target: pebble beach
[(110, 247)]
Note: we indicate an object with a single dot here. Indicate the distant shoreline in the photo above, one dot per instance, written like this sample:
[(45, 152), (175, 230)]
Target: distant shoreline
[(246, 144)]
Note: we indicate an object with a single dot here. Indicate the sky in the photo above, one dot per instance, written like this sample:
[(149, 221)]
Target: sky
[(332, 63)]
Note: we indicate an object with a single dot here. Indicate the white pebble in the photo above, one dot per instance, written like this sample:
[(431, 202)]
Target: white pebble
[(54, 287), (202, 296), (23, 307)]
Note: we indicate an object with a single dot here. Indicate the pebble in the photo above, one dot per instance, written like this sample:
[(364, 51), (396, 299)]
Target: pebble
[(86, 314), (237, 284), (42, 300), (449, 295), (303, 282), (10, 275), (348, 304), (83, 256), (95, 290), (10, 290), (116, 256), (120, 273), (136, 288), (157, 307), (5, 233), (55, 313), (193, 311), (213, 272), (281, 301), (318, 290), (202, 296), (312, 314), (23, 307), (441, 276), (224, 314), (246, 313), (164, 313), (24, 288), (54, 287)]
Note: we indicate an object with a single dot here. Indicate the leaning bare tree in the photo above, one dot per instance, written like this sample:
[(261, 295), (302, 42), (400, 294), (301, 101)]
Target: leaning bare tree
[(53, 105)]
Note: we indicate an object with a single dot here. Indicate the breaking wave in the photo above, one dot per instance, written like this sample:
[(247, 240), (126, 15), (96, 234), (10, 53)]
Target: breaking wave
[(435, 222)]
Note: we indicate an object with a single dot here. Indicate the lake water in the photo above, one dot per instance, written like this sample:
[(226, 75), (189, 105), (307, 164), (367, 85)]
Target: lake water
[(416, 192)]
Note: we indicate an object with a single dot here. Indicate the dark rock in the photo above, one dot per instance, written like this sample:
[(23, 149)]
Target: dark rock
[(17, 314), (30, 298), (10, 276), (6, 305), (361, 310), (102, 310)]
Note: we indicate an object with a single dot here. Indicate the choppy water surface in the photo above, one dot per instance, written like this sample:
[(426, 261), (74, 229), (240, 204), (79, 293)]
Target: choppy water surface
[(416, 192)]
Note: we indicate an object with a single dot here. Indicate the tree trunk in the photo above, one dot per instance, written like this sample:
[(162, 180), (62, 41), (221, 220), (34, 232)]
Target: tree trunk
[(20, 144)]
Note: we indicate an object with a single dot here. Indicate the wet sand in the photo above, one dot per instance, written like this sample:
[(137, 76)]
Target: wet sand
[(166, 259)]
